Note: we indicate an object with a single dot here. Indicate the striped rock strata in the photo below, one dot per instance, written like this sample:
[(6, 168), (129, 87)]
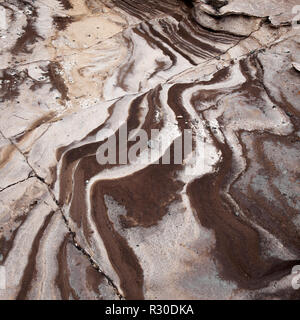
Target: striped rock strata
[(71, 228)]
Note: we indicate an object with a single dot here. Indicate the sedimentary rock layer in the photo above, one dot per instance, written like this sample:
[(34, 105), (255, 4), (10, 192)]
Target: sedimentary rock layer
[(75, 74)]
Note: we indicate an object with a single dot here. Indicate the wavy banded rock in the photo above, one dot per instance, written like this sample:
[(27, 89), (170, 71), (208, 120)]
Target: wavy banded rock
[(71, 228)]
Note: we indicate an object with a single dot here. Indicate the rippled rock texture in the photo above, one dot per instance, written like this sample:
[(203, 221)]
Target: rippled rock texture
[(71, 228)]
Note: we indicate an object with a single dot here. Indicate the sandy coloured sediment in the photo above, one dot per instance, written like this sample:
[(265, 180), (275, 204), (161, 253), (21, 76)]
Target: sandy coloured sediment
[(71, 228)]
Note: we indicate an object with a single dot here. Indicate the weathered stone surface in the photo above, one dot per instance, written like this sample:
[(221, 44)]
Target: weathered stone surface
[(38, 252), (12, 164), (71, 228), (234, 24), (278, 11)]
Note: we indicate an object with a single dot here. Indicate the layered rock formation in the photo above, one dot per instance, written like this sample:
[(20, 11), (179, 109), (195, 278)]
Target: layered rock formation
[(228, 71)]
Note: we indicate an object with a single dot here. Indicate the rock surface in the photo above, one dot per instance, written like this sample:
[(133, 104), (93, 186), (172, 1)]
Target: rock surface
[(228, 71)]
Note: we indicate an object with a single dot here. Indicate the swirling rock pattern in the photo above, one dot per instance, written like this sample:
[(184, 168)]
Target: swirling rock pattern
[(71, 228)]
